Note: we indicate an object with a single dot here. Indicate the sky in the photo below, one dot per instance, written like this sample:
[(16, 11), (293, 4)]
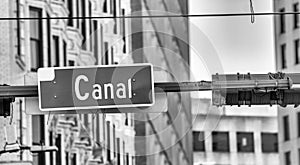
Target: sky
[(232, 44)]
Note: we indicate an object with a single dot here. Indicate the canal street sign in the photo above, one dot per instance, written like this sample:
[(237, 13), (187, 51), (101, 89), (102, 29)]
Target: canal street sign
[(75, 88)]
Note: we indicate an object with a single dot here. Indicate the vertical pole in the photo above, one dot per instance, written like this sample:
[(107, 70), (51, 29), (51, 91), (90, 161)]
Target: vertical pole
[(21, 128)]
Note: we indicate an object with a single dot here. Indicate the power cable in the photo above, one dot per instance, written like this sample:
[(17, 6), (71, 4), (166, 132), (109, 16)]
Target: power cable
[(157, 16)]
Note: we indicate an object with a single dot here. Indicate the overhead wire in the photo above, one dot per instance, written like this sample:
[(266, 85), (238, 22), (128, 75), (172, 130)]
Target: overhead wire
[(158, 16)]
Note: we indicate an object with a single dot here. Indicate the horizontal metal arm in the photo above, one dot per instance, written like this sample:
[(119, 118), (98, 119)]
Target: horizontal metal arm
[(253, 84), (32, 90), (183, 86), (19, 91)]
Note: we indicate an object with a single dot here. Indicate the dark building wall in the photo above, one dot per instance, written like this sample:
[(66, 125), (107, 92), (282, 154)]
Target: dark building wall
[(136, 32), (164, 43)]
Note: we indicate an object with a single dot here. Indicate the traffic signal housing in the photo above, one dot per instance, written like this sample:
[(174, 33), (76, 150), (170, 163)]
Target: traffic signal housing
[(256, 89)]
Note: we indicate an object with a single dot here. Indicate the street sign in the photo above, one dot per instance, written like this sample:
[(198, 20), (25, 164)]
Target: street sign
[(74, 88)]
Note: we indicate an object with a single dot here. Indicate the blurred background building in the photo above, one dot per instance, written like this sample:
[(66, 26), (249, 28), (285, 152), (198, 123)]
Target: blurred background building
[(287, 42), (164, 43), (234, 135), (27, 45)]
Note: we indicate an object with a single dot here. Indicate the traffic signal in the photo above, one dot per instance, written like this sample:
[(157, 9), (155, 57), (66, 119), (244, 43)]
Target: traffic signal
[(256, 89)]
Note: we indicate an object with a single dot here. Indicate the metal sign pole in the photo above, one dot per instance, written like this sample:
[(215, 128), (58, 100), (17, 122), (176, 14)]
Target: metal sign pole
[(32, 90)]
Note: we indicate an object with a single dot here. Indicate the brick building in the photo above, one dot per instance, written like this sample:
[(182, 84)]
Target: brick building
[(287, 48), (27, 45)]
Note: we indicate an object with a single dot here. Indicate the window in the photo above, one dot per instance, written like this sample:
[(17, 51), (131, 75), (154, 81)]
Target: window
[(36, 40), (100, 43), (126, 119), (287, 158), (67, 157), (51, 154), (38, 132), (98, 125), (86, 120), (104, 8), (298, 117), (282, 21), (113, 11), (108, 141), (78, 13), (70, 8), (123, 31), (112, 54), (96, 42), (296, 16), (283, 58), (83, 8), (198, 141), (297, 47), (127, 158), (113, 8), (118, 151), (123, 154), (73, 159), (91, 36), (269, 142), (65, 53), (220, 141), (103, 127), (298, 154), (245, 142), (106, 54), (83, 25), (49, 39), (115, 26), (286, 128), (55, 56), (71, 63), (114, 140), (58, 153), (83, 32)]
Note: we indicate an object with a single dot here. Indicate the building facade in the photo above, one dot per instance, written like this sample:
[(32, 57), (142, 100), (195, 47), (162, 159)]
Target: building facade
[(46, 41), (287, 45), (234, 135), (164, 138)]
